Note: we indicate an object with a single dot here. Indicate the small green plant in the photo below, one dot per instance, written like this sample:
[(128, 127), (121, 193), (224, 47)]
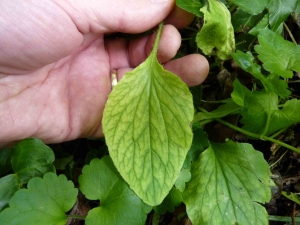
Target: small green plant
[(159, 157)]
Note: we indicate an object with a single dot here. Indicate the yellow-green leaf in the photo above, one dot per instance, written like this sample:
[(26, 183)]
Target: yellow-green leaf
[(146, 123), (217, 32)]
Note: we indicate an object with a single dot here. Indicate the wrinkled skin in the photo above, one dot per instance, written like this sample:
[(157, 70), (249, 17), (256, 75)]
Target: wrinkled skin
[(55, 65)]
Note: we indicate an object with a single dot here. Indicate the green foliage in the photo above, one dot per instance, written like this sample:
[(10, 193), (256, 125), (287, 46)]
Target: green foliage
[(45, 201), (217, 31), (243, 21), (228, 181), (239, 93), (262, 115), (223, 110), (271, 83), (192, 6), (29, 158), (5, 156), (252, 7), (148, 132), (8, 186), (172, 200), (159, 155), (118, 203), (279, 10), (292, 196), (278, 56)]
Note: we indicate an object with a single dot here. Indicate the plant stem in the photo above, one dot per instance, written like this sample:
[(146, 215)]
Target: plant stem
[(76, 217), (290, 33), (261, 137), (205, 122), (277, 133), (157, 38), (155, 218), (283, 218)]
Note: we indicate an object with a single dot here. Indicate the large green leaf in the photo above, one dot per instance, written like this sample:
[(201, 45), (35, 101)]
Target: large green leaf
[(45, 201), (192, 6), (261, 113), (217, 32), (279, 10), (31, 158), (228, 183), (118, 203), (278, 55), (8, 186), (146, 123), (253, 7)]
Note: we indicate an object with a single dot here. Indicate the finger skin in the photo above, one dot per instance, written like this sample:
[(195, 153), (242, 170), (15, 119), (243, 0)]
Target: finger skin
[(128, 16), (179, 18), (55, 68), (125, 54), (192, 69)]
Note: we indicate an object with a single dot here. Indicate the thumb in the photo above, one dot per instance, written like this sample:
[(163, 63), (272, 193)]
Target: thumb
[(105, 16)]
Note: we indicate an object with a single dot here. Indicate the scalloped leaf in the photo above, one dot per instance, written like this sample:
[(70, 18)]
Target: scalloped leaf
[(32, 158), (45, 201), (118, 203)]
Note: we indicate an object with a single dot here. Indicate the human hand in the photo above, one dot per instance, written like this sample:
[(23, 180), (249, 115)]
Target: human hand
[(55, 64)]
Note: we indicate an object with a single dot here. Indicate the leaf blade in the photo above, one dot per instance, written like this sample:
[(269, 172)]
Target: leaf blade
[(30, 158), (227, 181), (45, 201), (149, 134), (118, 203)]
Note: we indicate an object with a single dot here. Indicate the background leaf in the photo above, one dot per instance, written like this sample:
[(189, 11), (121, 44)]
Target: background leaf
[(228, 181), (261, 113), (278, 55), (217, 31), (192, 6), (253, 7), (296, 14), (45, 201), (200, 143), (272, 83), (292, 196), (239, 93), (263, 24), (243, 21), (32, 158), (184, 176), (148, 130), (118, 203), (8, 186), (5, 158), (279, 10), (172, 200), (223, 110)]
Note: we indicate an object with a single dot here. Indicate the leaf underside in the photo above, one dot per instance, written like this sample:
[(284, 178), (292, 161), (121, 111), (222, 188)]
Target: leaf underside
[(146, 125)]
